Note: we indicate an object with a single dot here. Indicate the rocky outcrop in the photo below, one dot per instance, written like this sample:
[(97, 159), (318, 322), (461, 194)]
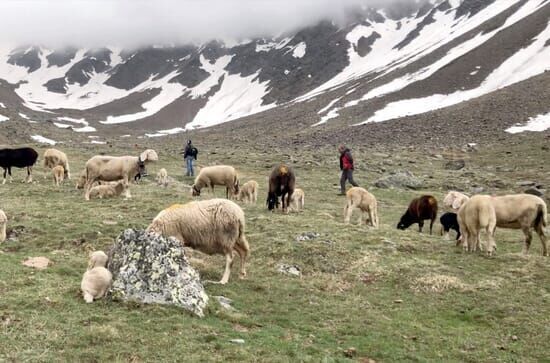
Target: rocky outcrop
[(400, 179)]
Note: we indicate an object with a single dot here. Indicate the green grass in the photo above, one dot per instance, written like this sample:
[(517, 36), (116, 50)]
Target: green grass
[(368, 289)]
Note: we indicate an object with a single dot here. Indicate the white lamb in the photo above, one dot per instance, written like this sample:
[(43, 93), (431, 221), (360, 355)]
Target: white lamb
[(97, 278), (162, 177), (248, 192), (214, 226), (454, 200), (58, 175), (357, 197), (54, 157), (110, 190), (3, 224), (297, 200)]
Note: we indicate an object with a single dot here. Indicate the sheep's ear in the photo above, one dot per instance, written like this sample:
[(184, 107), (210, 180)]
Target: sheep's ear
[(457, 202)]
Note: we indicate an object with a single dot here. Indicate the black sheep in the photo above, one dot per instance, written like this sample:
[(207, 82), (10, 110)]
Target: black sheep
[(24, 157), (449, 221)]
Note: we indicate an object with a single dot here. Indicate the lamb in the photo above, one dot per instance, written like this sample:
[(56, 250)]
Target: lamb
[(97, 278), (419, 210), (476, 215), (108, 190), (113, 168), (454, 200), (281, 183), (210, 176), (24, 157), (162, 177), (54, 157), (248, 192), (449, 221), (58, 175), (297, 200), (3, 223), (358, 197), (81, 181), (214, 226)]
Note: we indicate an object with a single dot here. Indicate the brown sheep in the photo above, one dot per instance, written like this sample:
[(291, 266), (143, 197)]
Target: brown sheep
[(281, 184), (419, 210)]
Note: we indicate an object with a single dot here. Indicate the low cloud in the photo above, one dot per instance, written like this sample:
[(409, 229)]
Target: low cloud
[(131, 23)]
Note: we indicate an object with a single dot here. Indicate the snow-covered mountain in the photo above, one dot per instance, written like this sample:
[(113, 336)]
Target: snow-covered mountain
[(383, 64)]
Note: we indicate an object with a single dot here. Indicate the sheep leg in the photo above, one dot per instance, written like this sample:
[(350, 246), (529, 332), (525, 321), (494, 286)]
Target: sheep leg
[(543, 239), (432, 224), (4, 181), (228, 262), (528, 238), (420, 226), (347, 213), (29, 174), (242, 255)]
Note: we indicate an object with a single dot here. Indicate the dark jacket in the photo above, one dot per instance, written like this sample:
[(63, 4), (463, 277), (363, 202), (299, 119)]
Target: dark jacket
[(190, 151), (346, 160)]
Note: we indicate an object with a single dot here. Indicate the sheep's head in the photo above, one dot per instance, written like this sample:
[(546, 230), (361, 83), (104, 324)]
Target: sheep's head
[(141, 166), (405, 222), (272, 201), (97, 259), (195, 191)]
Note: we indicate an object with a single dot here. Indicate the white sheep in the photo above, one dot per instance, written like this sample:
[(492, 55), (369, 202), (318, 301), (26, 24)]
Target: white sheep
[(113, 168), (214, 226), (97, 278), (54, 157), (209, 176), (297, 200), (248, 192), (108, 190), (3, 224), (162, 177), (58, 175), (358, 197), (476, 215), (454, 200)]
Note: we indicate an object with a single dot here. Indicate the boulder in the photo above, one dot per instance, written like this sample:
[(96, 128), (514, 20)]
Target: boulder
[(148, 268), (455, 164), (400, 179), (535, 191)]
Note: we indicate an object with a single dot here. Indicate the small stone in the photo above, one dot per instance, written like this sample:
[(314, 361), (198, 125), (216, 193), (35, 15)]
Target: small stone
[(237, 341), (225, 302), (350, 352), (39, 263), (514, 338), (398, 301), (292, 270), (526, 183), (535, 191), (110, 223), (455, 165)]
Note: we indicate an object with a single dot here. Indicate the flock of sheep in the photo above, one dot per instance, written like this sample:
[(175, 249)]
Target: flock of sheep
[(217, 226)]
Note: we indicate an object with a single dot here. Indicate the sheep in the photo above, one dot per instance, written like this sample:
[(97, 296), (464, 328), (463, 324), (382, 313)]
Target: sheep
[(162, 177), (110, 190), (419, 210), (476, 215), (81, 181), (449, 221), (358, 197), (3, 223), (454, 200), (281, 183), (214, 226), (297, 200), (20, 158), (112, 168), (210, 176), (248, 192), (97, 278), (54, 157), (58, 175)]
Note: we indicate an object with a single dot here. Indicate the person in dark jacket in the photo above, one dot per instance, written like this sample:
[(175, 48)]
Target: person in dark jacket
[(346, 165), (190, 154)]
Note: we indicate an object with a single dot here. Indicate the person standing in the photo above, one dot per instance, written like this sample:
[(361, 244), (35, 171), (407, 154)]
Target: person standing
[(346, 165), (189, 155)]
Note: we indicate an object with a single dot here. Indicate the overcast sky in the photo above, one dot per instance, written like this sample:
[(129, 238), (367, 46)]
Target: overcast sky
[(130, 23)]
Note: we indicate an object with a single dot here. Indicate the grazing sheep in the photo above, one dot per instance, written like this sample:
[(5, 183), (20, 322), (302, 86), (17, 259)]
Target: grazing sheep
[(210, 176), (454, 200), (81, 181), (281, 183), (358, 197), (476, 215), (214, 226), (297, 200), (110, 190), (97, 278), (449, 221), (58, 175), (54, 157), (248, 192), (20, 158), (419, 210), (162, 177), (113, 168), (3, 224)]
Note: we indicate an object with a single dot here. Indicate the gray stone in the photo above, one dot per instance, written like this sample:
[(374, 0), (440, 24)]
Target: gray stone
[(148, 268), (292, 270), (535, 191), (399, 179), (225, 302), (237, 341), (526, 183), (307, 236), (455, 164)]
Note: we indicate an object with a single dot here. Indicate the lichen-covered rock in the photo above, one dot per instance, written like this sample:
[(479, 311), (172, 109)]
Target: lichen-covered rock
[(151, 269), (400, 179)]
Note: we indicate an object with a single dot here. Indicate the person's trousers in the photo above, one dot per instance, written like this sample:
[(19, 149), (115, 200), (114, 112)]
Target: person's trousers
[(189, 165), (347, 175)]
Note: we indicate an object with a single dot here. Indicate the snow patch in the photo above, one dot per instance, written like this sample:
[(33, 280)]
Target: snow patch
[(327, 107), (299, 51), (538, 123), (24, 116), (160, 133), (43, 140), (2, 105), (3, 118)]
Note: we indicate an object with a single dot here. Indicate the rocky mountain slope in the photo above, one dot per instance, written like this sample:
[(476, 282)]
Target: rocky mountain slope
[(436, 57)]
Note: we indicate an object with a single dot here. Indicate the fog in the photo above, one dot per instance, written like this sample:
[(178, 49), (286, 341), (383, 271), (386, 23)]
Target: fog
[(131, 23)]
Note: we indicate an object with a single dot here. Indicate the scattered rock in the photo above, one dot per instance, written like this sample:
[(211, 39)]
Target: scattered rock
[(350, 352), (110, 223), (237, 341), (398, 301), (514, 338), (526, 183), (307, 236), (225, 302), (399, 179), (535, 191), (292, 270), (39, 263), (455, 164), (148, 268), (477, 190)]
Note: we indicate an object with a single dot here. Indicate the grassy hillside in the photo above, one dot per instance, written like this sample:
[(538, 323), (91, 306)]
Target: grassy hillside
[(392, 295)]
